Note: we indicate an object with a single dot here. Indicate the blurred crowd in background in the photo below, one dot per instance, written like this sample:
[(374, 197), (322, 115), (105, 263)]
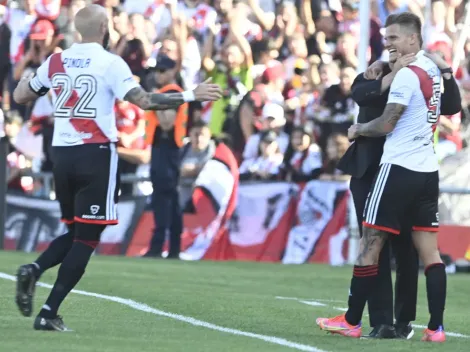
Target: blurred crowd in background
[(286, 67)]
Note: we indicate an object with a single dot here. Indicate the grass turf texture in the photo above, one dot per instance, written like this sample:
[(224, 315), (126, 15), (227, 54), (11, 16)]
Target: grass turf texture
[(230, 294)]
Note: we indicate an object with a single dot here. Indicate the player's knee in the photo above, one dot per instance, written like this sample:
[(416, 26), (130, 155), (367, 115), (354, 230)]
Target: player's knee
[(89, 234), (430, 258)]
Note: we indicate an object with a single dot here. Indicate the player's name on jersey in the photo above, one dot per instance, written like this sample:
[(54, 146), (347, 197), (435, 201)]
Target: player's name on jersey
[(76, 63)]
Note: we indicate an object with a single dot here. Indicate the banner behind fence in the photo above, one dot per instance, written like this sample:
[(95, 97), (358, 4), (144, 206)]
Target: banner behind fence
[(275, 222)]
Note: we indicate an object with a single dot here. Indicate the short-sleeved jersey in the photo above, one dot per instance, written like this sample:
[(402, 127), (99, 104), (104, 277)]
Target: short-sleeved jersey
[(85, 81), (410, 144)]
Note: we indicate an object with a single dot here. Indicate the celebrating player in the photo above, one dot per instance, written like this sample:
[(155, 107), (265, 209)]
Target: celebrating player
[(407, 184), (85, 81)]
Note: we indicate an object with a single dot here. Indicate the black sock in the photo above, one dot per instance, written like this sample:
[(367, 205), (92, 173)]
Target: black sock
[(362, 283), (70, 273), (54, 254), (436, 286)]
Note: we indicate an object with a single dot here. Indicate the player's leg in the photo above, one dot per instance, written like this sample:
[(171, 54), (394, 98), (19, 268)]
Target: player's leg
[(380, 303), (406, 283), (70, 272), (436, 283), (95, 207), (425, 238), (381, 218), (27, 275)]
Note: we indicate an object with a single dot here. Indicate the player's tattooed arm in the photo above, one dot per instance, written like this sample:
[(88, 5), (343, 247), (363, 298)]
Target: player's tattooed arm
[(154, 101), (385, 123)]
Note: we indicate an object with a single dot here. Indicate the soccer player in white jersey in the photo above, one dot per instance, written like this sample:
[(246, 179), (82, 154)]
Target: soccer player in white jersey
[(407, 183), (85, 81)]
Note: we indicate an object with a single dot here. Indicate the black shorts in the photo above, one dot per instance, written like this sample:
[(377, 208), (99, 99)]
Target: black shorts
[(86, 182), (402, 196)]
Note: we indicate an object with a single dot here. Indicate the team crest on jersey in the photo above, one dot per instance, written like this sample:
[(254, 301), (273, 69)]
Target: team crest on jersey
[(95, 209)]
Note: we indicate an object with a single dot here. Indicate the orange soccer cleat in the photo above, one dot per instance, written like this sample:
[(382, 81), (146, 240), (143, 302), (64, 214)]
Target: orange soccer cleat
[(434, 336), (339, 325)]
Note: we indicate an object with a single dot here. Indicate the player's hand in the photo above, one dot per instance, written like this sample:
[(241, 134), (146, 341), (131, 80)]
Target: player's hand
[(375, 70), (438, 60), (353, 131), (207, 91), (403, 61)]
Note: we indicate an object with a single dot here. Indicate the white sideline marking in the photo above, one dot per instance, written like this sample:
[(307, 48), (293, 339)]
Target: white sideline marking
[(192, 321), (314, 302), (310, 299)]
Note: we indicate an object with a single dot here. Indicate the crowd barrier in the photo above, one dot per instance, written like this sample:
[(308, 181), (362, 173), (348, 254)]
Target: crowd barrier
[(272, 222)]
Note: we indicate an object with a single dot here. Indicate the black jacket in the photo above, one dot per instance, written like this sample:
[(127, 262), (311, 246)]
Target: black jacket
[(365, 153)]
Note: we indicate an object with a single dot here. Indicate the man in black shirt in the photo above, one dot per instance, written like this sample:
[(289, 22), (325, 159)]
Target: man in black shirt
[(338, 108), (361, 161)]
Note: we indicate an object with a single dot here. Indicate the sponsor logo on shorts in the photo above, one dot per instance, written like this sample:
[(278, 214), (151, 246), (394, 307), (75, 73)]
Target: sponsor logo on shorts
[(93, 217), (94, 209)]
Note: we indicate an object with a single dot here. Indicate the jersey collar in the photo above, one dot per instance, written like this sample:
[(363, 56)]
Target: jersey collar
[(87, 45)]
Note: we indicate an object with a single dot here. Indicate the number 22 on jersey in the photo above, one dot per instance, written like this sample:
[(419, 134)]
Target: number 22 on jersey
[(68, 103)]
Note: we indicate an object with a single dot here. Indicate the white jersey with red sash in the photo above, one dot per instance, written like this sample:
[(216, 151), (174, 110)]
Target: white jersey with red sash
[(85, 80)]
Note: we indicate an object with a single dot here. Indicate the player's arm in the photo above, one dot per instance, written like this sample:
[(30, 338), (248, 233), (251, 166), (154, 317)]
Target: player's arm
[(402, 89), (156, 101), (451, 101), (126, 88), (364, 90), (33, 86), (385, 123), (162, 101)]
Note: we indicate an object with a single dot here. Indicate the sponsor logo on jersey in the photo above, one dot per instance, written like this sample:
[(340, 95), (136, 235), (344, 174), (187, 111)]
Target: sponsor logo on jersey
[(68, 137), (398, 95)]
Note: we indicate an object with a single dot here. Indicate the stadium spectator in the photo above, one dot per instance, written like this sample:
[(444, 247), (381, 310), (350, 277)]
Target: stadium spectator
[(336, 146), (337, 110), (165, 133), (267, 163), (272, 120), (247, 119), (195, 154), (134, 46), (230, 68), (16, 161), (303, 158), (41, 40)]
